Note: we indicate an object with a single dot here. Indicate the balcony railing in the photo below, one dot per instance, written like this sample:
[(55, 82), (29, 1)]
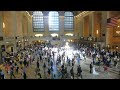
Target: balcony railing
[(95, 39)]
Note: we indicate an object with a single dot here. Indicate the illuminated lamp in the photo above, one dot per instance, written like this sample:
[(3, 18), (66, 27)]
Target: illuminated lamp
[(69, 34), (54, 35), (3, 25), (38, 35)]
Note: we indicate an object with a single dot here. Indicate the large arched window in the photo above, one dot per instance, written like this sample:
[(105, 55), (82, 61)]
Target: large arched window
[(68, 21), (38, 23), (53, 21)]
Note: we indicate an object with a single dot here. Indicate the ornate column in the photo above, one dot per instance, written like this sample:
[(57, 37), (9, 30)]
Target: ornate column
[(104, 29), (14, 21), (1, 35), (91, 24)]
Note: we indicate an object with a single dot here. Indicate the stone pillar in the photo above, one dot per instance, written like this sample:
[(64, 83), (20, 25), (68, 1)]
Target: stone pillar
[(14, 28), (82, 27), (1, 34), (105, 15), (46, 27), (91, 24), (22, 29), (1, 24), (76, 33), (29, 29), (108, 31), (27, 35), (61, 25)]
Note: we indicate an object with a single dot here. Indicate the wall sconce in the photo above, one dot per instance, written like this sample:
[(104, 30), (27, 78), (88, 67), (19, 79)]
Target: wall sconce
[(54, 35), (69, 34), (38, 35), (116, 47), (3, 25), (97, 32)]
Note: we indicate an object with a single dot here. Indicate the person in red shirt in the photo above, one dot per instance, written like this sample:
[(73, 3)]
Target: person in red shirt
[(105, 68)]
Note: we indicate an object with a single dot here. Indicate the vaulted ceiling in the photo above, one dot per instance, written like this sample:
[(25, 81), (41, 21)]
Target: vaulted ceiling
[(60, 12), (113, 13)]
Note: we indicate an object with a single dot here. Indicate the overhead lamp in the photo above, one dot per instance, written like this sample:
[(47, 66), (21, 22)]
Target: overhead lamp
[(68, 40), (3, 25), (97, 32), (38, 35), (66, 43), (67, 46), (54, 35), (69, 34), (116, 47)]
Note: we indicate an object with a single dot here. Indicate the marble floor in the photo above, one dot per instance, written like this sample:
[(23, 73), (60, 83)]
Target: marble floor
[(30, 71)]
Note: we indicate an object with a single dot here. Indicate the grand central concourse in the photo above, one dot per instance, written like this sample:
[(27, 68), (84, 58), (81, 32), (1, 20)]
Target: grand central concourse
[(59, 44)]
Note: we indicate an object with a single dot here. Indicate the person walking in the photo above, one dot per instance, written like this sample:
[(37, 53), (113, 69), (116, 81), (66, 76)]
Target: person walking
[(39, 74), (73, 62), (37, 64), (44, 66), (54, 77), (2, 75), (17, 68), (21, 62), (79, 71), (11, 73), (91, 67), (24, 75), (72, 73), (25, 62)]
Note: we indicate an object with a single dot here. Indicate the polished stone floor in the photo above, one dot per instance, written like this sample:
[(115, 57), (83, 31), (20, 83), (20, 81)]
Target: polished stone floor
[(30, 70)]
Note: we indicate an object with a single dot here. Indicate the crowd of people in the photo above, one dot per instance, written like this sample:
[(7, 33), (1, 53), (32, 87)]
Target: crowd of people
[(56, 61)]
